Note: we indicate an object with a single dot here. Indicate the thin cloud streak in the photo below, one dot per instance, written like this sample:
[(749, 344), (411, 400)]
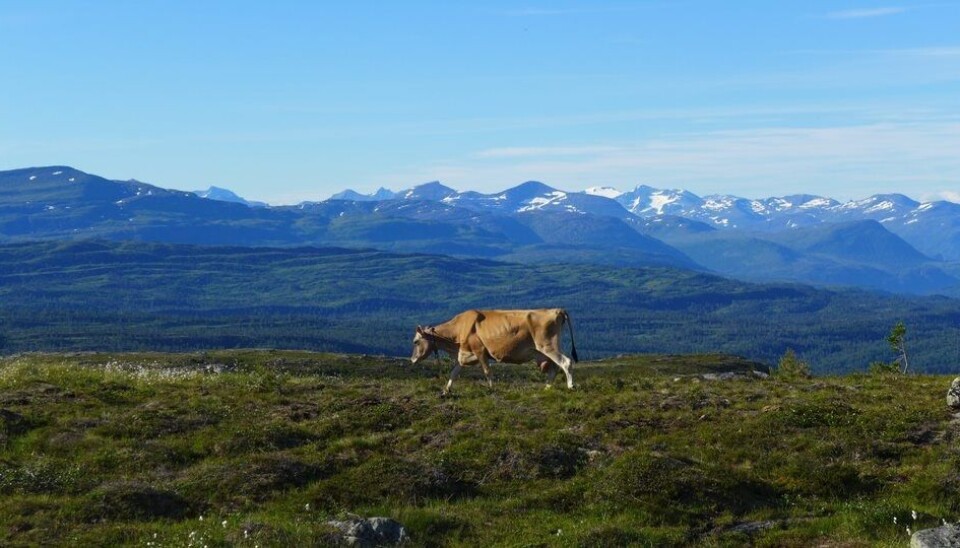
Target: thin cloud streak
[(864, 159), (866, 13), (526, 152), (937, 195), (946, 51), (540, 12)]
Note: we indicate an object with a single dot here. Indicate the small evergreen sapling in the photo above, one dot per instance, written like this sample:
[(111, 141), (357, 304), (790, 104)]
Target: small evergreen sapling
[(792, 367), (897, 342)]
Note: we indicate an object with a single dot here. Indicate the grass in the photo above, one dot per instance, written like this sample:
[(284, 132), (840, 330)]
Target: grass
[(264, 447)]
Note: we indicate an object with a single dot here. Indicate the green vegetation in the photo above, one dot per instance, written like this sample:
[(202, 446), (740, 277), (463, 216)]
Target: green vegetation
[(61, 296), (897, 339), (790, 367), (266, 446)]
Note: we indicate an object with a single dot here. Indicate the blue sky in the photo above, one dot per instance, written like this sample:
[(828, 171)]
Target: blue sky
[(291, 101)]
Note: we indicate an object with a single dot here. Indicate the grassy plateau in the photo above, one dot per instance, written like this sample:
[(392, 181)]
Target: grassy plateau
[(263, 448)]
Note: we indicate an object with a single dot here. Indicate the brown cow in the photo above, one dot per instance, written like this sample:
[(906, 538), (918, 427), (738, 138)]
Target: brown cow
[(511, 336)]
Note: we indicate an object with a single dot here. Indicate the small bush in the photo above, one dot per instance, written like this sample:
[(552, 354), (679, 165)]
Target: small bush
[(884, 368), (42, 475), (254, 478), (674, 489), (835, 480), (381, 478), (829, 413), (134, 500), (792, 367), (11, 424)]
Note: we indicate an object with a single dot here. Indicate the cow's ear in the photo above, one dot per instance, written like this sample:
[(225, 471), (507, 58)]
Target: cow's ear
[(420, 329)]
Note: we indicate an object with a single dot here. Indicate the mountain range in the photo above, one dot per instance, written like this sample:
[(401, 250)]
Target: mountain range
[(885, 242), (901, 215)]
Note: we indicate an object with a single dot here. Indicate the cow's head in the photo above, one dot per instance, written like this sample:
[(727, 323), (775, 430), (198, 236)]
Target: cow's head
[(423, 345)]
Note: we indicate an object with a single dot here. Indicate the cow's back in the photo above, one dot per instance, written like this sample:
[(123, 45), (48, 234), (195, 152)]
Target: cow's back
[(515, 335)]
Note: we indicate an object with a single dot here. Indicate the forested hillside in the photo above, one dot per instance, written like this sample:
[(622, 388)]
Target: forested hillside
[(131, 296)]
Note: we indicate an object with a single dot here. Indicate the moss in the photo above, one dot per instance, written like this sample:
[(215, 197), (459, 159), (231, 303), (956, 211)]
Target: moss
[(132, 500)]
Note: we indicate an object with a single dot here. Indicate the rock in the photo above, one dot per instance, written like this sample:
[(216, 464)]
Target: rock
[(953, 394), (733, 376), (725, 376), (941, 537), (753, 527), (370, 532)]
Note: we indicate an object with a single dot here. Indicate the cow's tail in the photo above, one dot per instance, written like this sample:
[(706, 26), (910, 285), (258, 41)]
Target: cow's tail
[(573, 345)]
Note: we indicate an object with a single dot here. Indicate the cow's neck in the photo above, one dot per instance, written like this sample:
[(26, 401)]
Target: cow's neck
[(447, 337)]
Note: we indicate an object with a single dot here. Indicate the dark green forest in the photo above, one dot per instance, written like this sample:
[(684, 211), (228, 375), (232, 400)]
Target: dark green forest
[(62, 296)]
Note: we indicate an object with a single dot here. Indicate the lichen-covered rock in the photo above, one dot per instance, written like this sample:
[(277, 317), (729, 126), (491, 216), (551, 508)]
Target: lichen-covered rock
[(953, 394), (947, 536), (370, 532)]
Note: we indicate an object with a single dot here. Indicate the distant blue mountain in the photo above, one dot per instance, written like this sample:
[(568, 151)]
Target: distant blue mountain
[(871, 243), (62, 203), (351, 195), (225, 195)]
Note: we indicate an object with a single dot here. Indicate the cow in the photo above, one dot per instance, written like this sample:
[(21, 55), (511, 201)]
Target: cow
[(510, 336)]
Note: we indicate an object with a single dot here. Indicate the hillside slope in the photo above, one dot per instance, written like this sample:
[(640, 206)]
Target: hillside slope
[(135, 296), (264, 448)]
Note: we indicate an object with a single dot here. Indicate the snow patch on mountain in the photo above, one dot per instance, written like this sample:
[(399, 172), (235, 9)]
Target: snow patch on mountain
[(541, 202), (604, 191)]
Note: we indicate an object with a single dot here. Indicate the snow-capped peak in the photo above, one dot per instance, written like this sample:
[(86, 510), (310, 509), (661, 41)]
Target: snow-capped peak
[(605, 191)]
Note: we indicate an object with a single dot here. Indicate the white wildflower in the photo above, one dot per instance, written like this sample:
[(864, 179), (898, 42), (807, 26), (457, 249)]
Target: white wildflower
[(908, 531), (201, 517), (224, 523), (306, 507), (894, 520), (914, 514)]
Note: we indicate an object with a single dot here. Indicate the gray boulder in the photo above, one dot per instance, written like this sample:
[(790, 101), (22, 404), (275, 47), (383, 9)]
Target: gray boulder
[(953, 394), (947, 536), (370, 532)]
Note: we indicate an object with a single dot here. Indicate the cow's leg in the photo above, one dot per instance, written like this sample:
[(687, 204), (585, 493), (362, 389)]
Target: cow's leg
[(486, 369), (453, 375), (565, 363), (548, 367)]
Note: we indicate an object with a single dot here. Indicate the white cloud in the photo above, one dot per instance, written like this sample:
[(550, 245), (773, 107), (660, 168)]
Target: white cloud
[(527, 152), (945, 51), (865, 13), (842, 161), (948, 195), (536, 12)]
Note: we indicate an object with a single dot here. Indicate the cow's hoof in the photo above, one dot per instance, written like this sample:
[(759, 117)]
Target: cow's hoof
[(443, 395)]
